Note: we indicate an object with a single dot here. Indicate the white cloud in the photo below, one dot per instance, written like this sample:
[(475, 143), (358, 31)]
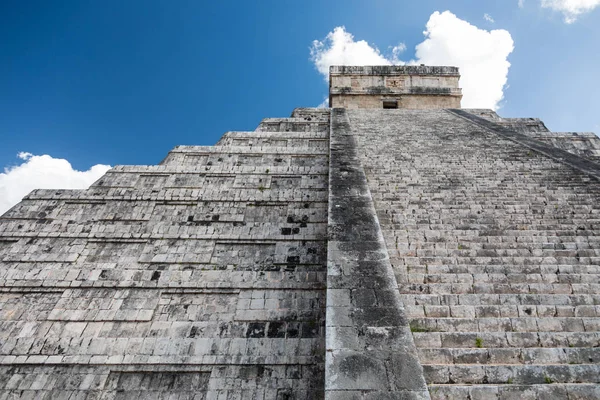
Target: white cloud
[(42, 172), (400, 48), (571, 9), (488, 18), (481, 55), (324, 103), (339, 48), (396, 51), (521, 3)]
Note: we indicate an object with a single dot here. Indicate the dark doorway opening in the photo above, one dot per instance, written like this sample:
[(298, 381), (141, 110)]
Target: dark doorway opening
[(389, 104)]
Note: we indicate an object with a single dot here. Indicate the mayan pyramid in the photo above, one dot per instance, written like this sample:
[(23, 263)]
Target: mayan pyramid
[(393, 246)]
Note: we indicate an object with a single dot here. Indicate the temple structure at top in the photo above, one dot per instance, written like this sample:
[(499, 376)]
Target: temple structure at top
[(391, 86)]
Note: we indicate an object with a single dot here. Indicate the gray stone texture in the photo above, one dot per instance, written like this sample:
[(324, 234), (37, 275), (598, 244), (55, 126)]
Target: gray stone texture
[(369, 346), (339, 254), (200, 278), (493, 238), (411, 87), (584, 144)]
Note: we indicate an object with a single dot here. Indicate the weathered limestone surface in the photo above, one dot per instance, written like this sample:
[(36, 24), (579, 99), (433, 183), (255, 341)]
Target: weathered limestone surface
[(370, 350), (200, 278), (412, 87), (584, 144), (496, 251)]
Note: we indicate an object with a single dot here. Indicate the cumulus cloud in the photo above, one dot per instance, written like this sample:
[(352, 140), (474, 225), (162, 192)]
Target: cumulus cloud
[(481, 55), (324, 103), (339, 48), (488, 18), (396, 51), (571, 9), (42, 172)]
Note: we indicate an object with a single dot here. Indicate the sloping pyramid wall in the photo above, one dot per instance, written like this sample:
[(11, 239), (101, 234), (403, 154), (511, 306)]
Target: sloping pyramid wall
[(339, 254), (202, 277)]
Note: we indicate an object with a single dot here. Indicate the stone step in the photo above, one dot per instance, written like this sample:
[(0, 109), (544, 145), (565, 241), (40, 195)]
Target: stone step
[(450, 256), (474, 209), (559, 355), (60, 213), (321, 114), (590, 277), (296, 119), (492, 288), (512, 374), (525, 250), (318, 140), (545, 215), (505, 339), (187, 232), (449, 242), (199, 254), (504, 260), (186, 195), (504, 311), (466, 239), (437, 270), (519, 225), (515, 392), (483, 212), (273, 135), (396, 197), (439, 233), (530, 324), (80, 214), (195, 150), (221, 169), (473, 300), (104, 275), (292, 125), (503, 189), (263, 181), (473, 249), (305, 157)]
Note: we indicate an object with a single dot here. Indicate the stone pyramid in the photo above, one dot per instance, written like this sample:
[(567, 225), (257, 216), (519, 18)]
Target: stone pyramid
[(390, 247)]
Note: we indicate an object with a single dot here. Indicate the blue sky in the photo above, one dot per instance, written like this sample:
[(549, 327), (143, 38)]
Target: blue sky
[(122, 82)]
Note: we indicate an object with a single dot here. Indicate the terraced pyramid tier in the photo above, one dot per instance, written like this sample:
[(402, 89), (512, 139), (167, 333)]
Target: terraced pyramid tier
[(202, 277)]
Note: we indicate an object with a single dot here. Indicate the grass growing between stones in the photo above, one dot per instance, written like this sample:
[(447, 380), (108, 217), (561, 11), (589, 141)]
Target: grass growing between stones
[(416, 328)]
